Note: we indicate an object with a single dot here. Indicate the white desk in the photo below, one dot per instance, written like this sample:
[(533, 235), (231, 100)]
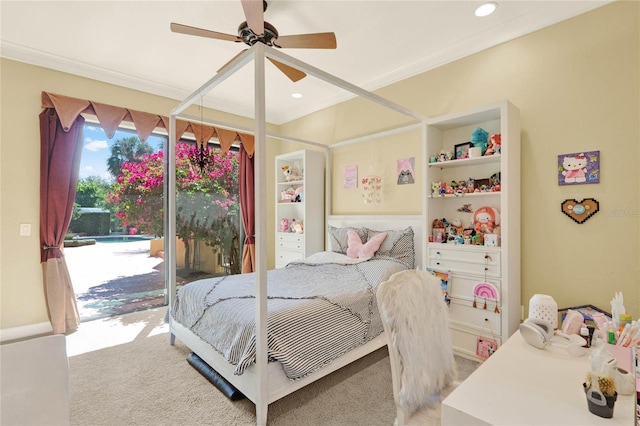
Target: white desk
[(523, 385)]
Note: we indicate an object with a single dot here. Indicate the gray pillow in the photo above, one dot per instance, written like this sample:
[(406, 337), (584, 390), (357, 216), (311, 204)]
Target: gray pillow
[(338, 238), (398, 245)]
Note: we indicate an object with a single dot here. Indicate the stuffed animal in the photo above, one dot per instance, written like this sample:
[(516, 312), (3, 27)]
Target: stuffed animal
[(288, 194), (485, 219), (298, 195), (495, 142), (480, 137), (284, 224), (297, 227), (290, 174), (437, 189)]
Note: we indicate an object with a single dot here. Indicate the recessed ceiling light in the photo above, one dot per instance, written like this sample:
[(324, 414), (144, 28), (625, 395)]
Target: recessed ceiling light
[(296, 95), (486, 9)]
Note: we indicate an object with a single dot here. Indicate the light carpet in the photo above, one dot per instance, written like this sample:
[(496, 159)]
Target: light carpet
[(146, 381)]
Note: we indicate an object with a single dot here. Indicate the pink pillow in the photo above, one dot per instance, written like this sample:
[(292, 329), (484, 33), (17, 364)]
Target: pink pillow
[(357, 250)]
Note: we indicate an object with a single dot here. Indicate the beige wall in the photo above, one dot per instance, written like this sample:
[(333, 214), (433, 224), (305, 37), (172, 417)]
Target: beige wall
[(576, 84), (22, 300)]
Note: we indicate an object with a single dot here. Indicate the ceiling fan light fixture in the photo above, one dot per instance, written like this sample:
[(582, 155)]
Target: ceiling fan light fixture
[(296, 95), (486, 9)]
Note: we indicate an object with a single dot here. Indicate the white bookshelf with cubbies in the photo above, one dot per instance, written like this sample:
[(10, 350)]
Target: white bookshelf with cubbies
[(299, 205), (477, 254)]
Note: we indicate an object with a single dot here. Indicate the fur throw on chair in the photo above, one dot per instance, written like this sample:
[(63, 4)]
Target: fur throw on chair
[(415, 317)]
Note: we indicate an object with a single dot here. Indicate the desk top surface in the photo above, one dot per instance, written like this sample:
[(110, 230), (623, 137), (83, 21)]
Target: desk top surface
[(523, 385)]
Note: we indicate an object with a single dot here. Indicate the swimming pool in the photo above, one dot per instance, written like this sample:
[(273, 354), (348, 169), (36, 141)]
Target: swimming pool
[(118, 238)]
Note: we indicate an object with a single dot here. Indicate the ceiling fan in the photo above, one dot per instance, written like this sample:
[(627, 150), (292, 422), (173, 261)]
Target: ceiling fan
[(255, 29)]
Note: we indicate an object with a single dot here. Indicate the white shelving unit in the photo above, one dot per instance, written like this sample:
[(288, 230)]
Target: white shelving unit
[(308, 166), (469, 264)]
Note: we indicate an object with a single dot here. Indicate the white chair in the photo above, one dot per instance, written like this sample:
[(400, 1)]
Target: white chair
[(423, 368)]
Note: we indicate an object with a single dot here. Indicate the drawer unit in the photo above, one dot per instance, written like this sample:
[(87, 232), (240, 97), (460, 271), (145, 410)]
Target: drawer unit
[(290, 241), (460, 259), (465, 341), (481, 321), (462, 286), (285, 256)]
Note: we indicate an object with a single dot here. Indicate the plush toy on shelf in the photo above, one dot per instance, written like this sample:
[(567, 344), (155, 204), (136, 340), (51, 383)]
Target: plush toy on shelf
[(485, 219), (288, 195), (290, 174), (480, 138), (284, 225), (297, 226), (495, 142)]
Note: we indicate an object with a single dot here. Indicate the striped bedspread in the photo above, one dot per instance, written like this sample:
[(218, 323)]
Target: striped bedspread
[(318, 309)]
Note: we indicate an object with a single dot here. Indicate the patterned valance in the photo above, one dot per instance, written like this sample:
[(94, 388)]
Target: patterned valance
[(111, 116)]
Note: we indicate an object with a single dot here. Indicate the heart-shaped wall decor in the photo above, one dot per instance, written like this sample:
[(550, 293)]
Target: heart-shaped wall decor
[(580, 211)]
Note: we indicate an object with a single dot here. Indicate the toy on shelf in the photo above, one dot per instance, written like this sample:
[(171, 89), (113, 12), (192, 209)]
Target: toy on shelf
[(485, 219), (292, 195), (480, 138), (297, 226), (495, 143), (290, 174), (288, 195), (284, 225)]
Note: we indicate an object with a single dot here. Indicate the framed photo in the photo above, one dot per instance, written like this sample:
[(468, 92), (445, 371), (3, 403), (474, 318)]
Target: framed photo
[(579, 168), (461, 150)]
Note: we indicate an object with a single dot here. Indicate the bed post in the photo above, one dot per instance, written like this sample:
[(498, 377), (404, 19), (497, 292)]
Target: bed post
[(260, 162)]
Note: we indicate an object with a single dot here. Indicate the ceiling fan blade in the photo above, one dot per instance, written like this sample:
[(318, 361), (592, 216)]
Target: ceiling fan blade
[(293, 74), (308, 41), (254, 12), (200, 32)]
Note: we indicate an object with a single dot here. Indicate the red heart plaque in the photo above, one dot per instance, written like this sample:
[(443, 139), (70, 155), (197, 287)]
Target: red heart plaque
[(580, 211)]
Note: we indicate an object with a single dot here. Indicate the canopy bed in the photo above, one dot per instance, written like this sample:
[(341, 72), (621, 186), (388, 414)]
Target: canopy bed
[(244, 349)]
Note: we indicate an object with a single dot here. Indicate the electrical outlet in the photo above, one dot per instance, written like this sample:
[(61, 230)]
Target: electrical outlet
[(521, 312)]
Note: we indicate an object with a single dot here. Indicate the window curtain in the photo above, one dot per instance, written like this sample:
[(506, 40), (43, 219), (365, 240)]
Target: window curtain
[(110, 118), (60, 152), (247, 206)]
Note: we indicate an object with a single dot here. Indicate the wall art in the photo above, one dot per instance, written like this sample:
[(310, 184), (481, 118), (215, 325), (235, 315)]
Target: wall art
[(579, 168), (350, 177), (372, 189), (404, 170), (580, 211)]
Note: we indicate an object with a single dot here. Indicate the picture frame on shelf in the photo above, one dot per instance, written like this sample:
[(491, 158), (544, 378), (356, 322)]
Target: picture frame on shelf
[(461, 150)]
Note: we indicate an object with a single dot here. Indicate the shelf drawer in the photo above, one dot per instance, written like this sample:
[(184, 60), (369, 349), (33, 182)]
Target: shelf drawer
[(461, 259), (285, 256), (463, 314), (462, 286), (290, 241), (465, 341)]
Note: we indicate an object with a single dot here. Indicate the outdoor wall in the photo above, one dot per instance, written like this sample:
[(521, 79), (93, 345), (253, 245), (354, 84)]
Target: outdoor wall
[(577, 87)]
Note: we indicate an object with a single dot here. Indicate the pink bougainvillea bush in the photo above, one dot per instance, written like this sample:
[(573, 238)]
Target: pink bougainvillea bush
[(205, 200)]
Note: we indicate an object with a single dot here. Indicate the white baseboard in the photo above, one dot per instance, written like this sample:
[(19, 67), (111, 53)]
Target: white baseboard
[(25, 331)]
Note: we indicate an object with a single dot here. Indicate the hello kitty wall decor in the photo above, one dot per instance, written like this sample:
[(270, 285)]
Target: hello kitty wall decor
[(579, 168)]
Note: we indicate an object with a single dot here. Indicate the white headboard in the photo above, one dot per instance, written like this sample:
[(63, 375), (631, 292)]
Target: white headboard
[(382, 223)]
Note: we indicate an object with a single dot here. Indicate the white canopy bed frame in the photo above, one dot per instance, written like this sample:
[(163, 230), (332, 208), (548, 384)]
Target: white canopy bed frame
[(262, 383)]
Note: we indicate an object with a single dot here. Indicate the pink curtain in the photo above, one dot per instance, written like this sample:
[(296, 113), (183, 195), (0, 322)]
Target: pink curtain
[(247, 206), (60, 152)]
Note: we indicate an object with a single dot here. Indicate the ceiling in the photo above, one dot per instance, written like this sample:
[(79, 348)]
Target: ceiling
[(129, 43)]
